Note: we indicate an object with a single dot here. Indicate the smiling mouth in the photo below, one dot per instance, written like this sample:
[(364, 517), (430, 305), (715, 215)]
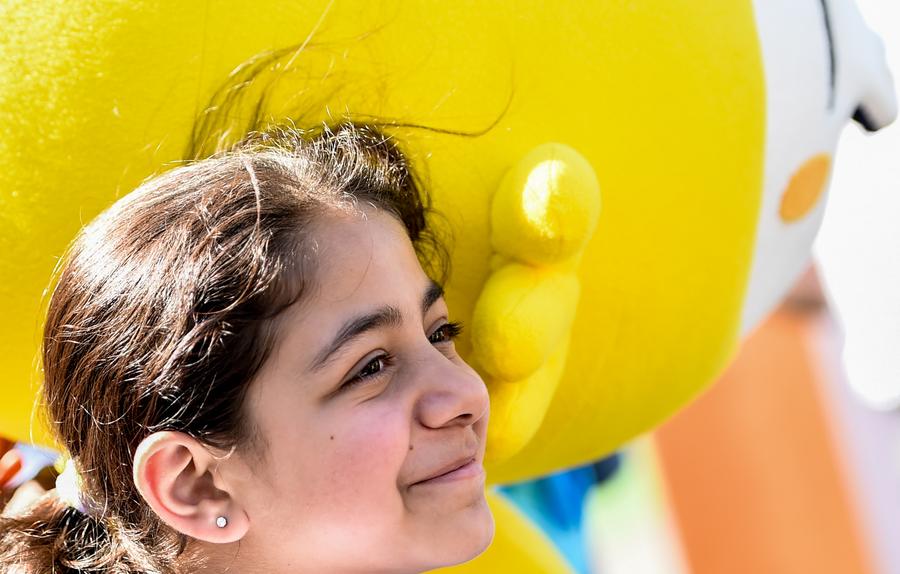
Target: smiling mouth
[(467, 469)]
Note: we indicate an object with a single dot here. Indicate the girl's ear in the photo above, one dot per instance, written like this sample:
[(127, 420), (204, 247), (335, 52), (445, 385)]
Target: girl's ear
[(177, 476)]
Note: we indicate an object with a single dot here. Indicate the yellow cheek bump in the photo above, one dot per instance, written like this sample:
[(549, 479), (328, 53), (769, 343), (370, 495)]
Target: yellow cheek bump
[(518, 407), (522, 314), (805, 188), (542, 215), (547, 206)]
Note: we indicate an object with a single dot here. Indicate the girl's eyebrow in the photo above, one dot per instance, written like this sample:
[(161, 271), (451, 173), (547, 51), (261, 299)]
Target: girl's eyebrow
[(432, 294), (387, 316)]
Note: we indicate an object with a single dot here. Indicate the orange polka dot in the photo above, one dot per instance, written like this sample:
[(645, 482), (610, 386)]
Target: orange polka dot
[(805, 188)]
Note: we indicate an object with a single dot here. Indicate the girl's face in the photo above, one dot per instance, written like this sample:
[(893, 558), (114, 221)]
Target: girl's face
[(374, 428)]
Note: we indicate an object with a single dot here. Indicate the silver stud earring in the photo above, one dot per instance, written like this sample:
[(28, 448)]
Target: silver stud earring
[(221, 522)]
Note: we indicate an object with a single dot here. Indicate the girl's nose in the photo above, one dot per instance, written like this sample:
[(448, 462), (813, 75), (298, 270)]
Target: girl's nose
[(453, 394)]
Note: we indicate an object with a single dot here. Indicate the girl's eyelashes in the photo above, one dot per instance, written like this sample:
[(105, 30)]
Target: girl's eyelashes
[(379, 364), (374, 367), (445, 333)]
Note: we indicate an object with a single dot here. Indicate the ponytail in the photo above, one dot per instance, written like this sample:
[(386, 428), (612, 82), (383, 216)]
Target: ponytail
[(53, 537)]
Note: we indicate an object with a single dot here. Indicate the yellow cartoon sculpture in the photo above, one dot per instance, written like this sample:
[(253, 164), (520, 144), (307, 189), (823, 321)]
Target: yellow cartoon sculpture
[(603, 166)]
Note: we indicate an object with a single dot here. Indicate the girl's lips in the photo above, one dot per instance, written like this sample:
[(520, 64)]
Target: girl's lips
[(468, 470)]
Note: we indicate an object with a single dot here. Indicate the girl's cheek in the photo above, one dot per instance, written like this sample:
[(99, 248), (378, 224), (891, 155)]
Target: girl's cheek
[(375, 435)]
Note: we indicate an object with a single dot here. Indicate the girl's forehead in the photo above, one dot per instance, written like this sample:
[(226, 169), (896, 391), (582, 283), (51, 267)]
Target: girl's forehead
[(362, 260), (344, 242)]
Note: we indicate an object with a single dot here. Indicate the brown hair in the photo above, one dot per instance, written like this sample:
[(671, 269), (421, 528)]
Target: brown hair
[(165, 310)]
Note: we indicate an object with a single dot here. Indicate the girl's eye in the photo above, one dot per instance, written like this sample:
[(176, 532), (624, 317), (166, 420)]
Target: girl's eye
[(445, 333), (371, 370)]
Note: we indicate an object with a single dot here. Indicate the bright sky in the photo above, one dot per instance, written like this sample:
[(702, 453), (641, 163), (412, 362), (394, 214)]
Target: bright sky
[(859, 245)]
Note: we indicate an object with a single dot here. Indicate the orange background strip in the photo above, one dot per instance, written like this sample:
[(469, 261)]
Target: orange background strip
[(754, 475)]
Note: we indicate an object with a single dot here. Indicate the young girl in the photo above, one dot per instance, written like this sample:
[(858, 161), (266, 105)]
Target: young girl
[(252, 372)]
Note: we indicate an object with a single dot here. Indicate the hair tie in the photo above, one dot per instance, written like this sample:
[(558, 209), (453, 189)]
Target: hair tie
[(69, 487)]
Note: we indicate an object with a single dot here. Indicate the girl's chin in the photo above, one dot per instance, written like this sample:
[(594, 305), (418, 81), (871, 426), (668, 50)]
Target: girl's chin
[(479, 532)]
